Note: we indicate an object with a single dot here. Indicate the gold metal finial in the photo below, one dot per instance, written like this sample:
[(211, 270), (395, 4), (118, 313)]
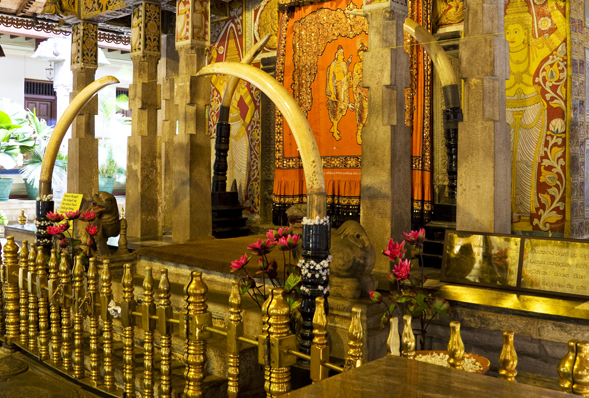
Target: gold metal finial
[(407, 338), (164, 312), (319, 348), (23, 293), (581, 370), (278, 330), (33, 300), (94, 313), (43, 304), (508, 358), (107, 328), (234, 330), (22, 219), (565, 368), (455, 347), (54, 317), (263, 354), (66, 304), (128, 322), (354, 356), (148, 324), (79, 297), (122, 212), (123, 243), (11, 300), (393, 341)]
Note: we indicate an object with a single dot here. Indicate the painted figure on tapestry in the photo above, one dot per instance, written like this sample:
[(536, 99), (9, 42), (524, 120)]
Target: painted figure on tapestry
[(136, 29), (183, 20), (448, 12), (200, 19), (360, 94), (535, 142), (337, 90)]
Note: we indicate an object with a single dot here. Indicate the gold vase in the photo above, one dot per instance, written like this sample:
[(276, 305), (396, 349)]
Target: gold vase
[(407, 338), (565, 368), (581, 370), (393, 342), (455, 347), (508, 358)]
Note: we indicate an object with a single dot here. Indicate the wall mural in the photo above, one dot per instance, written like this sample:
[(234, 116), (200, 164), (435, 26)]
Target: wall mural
[(537, 99), (266, 22), (243, 158)]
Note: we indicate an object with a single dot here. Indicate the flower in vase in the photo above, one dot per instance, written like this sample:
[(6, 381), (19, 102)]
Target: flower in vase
[(375, 296), (401, 270), (91, 229), (261, 248), (415, 238), (240, 263), (394, 250), (72, 215), (55, 217), (88, 216)]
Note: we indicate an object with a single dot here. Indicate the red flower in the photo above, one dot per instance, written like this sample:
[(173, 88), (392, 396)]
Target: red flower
[(91, 229), (72, 215), (276, 234), (261, 248), (401, 270), (64, 227), (375, 296), (284, 231), (394, 250), (63, 243), (271, 234), (55, 217), (88, 216), (415, 238), (53, 230), (240, 263)]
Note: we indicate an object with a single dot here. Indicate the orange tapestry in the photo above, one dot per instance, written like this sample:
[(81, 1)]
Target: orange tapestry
[(320, 63)]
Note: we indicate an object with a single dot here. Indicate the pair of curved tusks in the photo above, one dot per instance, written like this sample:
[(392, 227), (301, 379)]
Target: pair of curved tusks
[(63, 125)]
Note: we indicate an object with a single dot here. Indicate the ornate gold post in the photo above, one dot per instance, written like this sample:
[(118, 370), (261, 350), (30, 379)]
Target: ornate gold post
[(94, 314), (123, 249), (128, 322), (264, 355), (164, 312), (11, 290), (407, 338), (581, 370), (278, 331), (54, 317), (197, 317), (24, 294), (107, 335), (2, 324), (79, 297), (354, 356), (234, 330), (565, 368), (33, 301), (508, 358), (455, 347), (148, 310), (43, 303), (66, 315), (319, 349)]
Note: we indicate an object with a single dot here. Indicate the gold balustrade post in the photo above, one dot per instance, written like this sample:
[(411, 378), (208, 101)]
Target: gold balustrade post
[(43, 304), (319, 349), (407, 338), (66, 315), (33, 300), (11, 300), (24, 294), (164, 312), (581, 370), (455, 346), (79, 297), (508, 358), (148, 324), (354, 357), (54, 316), (263, 343), (234, 330), (128, 321), (2, 324), (94, 314), (196, 318), (107, 332), (565, 368)]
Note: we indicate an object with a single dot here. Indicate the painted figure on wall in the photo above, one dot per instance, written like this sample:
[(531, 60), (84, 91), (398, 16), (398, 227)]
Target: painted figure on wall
[(337, 90), (360, 94), (183, 20), (533, 90), (136, 29), (448, 12)]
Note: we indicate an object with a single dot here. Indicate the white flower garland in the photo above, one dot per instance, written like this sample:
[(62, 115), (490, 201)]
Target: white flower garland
[(310, 268), (45, 198), (45, 223), (306, 290), (316, 221)]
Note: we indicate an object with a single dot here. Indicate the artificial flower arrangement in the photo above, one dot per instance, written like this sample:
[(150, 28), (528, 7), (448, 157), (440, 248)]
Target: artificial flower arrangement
[(284, 241), (61, 226), (410, 296)]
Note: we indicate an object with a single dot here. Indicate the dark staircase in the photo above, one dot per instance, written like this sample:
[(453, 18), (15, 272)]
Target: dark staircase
[(228, 221), (443, 218)]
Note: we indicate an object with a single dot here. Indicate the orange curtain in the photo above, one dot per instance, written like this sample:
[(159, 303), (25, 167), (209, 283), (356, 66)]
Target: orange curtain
[(421, 127)]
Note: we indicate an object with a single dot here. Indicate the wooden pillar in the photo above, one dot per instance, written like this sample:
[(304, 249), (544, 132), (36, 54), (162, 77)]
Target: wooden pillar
[(143, 147), (192, 214), (83, 147)]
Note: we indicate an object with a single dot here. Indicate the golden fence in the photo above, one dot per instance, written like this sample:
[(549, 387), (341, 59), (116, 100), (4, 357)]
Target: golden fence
[(44, 305)]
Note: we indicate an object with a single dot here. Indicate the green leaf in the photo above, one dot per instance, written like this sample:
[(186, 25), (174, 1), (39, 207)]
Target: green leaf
[(293, 302), (291, 282), (243, 289), (440, 306)]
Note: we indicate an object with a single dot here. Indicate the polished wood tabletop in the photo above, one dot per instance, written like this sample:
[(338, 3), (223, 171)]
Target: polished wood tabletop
[(393, 376)]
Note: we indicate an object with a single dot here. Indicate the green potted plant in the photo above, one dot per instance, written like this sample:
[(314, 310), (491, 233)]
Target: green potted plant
[(108, 171)]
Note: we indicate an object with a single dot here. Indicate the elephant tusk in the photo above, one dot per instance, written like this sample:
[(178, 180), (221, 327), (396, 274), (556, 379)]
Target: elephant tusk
[(63, 125), (296, 119)]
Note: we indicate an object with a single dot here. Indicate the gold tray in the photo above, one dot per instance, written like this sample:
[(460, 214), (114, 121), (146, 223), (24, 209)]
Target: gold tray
[(485, 363)]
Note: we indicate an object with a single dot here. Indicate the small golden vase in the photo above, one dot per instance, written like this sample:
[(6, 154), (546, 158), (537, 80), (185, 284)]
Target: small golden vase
[(508, 358), (407, 338), (22, 219), (565, 368), (393, 342), (581, 370), (455, 347)]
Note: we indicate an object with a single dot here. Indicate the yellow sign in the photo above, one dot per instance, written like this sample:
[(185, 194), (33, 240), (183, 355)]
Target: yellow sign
[(70, 202)]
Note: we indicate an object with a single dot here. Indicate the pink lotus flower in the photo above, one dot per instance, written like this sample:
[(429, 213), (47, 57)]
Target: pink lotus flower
[(240, 263), (375, 296), (72, 215), (261, 248), (286, 243), (53, 230), (262, 264), (394, 250), (58, 229), (63, 243), (401, 270), (271, 234), (284, 231), (88, 216), (55, 217), (91, 229), (415, 238)]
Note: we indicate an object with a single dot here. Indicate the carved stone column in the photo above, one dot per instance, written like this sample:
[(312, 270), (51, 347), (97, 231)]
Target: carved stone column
[(386, 162), (82, 174), (144, 162), (192, 215)]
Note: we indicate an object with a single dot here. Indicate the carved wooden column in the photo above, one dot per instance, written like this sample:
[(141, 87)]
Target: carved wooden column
[(192, 215), (144, 161), (82, 174)]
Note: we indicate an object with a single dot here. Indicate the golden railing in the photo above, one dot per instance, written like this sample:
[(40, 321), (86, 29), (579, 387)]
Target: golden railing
[(44, 306)]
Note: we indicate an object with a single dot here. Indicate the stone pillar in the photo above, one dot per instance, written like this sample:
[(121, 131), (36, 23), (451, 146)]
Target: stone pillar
[(192, 214), (82, 173), (386, 152), (143, 160), (167, 70), (484, 157)]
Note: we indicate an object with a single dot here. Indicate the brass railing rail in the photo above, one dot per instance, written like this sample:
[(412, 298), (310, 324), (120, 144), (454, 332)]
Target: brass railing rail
[(44, 306)]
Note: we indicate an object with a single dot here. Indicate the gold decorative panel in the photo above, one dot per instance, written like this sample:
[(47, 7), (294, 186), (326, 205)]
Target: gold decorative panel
[(192, 22), (85, 45), (145, 28)]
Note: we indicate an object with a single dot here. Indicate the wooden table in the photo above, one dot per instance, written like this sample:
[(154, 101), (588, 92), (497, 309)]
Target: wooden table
[(399, 377)]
